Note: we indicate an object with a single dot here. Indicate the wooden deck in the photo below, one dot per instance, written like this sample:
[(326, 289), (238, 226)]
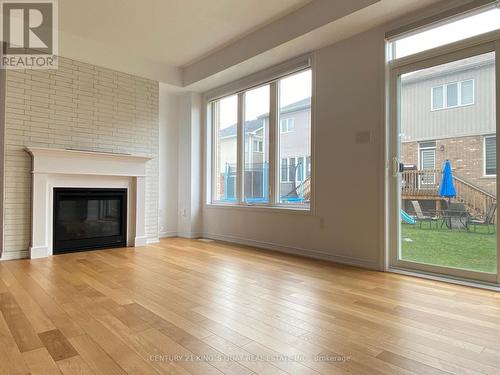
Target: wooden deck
[(424, 185), (152, 310)]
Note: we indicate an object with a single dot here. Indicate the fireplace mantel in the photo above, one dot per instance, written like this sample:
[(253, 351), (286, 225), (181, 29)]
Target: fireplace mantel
[(53, 168)]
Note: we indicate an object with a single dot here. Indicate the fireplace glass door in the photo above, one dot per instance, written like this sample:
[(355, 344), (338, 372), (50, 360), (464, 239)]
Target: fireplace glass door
[(86, 219)]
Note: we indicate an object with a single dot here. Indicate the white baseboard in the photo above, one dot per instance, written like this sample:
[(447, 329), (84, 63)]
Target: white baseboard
[(140, 241), (38, 252), (357, 262), (190, 235), (153, 240), (168, 234), (11, 255)]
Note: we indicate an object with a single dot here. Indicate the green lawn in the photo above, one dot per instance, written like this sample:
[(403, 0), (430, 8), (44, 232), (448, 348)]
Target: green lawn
[(451, 248)]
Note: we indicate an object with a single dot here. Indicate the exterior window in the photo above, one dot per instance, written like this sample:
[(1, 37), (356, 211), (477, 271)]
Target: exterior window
[(225, 124), (287, 125), (437, 97), (467, 92), (463, 27), (453, 95), (258, 146), (256, 134), (427, 159), (246, 167), (490, 156), (295, 103), (284, 170)]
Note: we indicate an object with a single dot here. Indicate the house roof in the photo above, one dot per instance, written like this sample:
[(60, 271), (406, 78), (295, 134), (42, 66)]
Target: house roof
[(452, 67), (258, 123)]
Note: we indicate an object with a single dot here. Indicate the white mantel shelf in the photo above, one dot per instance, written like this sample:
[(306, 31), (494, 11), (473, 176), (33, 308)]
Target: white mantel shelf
[(61, 161), (53, 168)]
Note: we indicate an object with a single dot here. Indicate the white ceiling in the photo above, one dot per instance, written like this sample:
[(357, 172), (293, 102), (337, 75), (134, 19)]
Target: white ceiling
[(173, 32), (203, 43)]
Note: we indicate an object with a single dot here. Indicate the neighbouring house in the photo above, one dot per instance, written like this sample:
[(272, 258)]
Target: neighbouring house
[(447, 112), (294, 153)]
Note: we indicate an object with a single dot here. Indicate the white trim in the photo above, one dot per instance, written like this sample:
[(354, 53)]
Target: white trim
[(439, 20), (308, 253), (260, 78), (448, 279), (189, 235), (151, 241), (12, 255), (437, 56), (274, 177), (168, 234), (459, 104), (276, 208)]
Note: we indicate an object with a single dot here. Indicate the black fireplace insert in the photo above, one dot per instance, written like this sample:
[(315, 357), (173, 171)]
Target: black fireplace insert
[(88, 219)]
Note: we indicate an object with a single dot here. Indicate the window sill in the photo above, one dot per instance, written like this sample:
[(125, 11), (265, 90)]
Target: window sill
[(489, 176), (262, 208)]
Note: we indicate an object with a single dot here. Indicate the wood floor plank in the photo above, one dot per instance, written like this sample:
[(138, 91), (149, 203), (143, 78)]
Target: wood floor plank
[(409, 364), (57, 345), (40, 362), (11, 359), (20, 327), (191, 307), (75, 366), (97, 359)]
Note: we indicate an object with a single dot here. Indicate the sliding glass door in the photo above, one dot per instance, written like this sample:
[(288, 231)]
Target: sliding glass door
[(443, 177)]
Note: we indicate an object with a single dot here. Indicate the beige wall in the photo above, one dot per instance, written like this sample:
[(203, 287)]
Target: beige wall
[(345, 225), (77, 106)]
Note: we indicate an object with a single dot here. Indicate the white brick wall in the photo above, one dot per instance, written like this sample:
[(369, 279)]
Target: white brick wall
[(77, 106)]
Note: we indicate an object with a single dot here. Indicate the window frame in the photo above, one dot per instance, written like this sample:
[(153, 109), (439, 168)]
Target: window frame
[(444, 87), (274, 175), (288, 121), (484, 156)]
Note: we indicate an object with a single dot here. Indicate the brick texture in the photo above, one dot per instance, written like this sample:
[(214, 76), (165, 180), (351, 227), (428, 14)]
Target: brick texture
[(78, 106), (465, 154)]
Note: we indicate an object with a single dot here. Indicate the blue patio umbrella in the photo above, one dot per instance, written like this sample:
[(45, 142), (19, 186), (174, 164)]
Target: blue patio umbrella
[(447, 189)]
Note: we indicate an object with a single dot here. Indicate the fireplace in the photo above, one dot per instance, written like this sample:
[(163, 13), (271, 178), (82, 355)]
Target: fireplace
[(87, 219)]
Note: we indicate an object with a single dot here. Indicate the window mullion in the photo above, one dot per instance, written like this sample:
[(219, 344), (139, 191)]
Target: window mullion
[(240, 148), (273, 179), (215, 148)]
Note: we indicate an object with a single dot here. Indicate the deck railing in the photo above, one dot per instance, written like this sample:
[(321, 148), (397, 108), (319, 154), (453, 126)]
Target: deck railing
[(425, 183), (476, 199)]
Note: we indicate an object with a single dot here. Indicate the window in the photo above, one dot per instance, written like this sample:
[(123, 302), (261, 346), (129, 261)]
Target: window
[(258, 146), (427, 162), (467, 92), (295, 103), (452, 95), (490, 156), (293, 169), (476, 23), (437, 97), (260, 154), (225, 124), (256, 134), (287, 125)]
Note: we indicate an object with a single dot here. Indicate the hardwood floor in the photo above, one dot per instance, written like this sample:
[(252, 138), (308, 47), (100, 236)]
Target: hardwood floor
[(193, 307)]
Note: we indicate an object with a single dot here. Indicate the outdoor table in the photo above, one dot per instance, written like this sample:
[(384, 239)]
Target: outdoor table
[(455, 219)]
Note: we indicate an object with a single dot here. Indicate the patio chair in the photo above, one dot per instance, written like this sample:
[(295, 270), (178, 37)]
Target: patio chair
[(488, 220), (421, 218)]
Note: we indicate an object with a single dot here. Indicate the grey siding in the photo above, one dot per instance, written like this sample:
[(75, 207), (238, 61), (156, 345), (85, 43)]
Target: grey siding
[(419, 122)]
